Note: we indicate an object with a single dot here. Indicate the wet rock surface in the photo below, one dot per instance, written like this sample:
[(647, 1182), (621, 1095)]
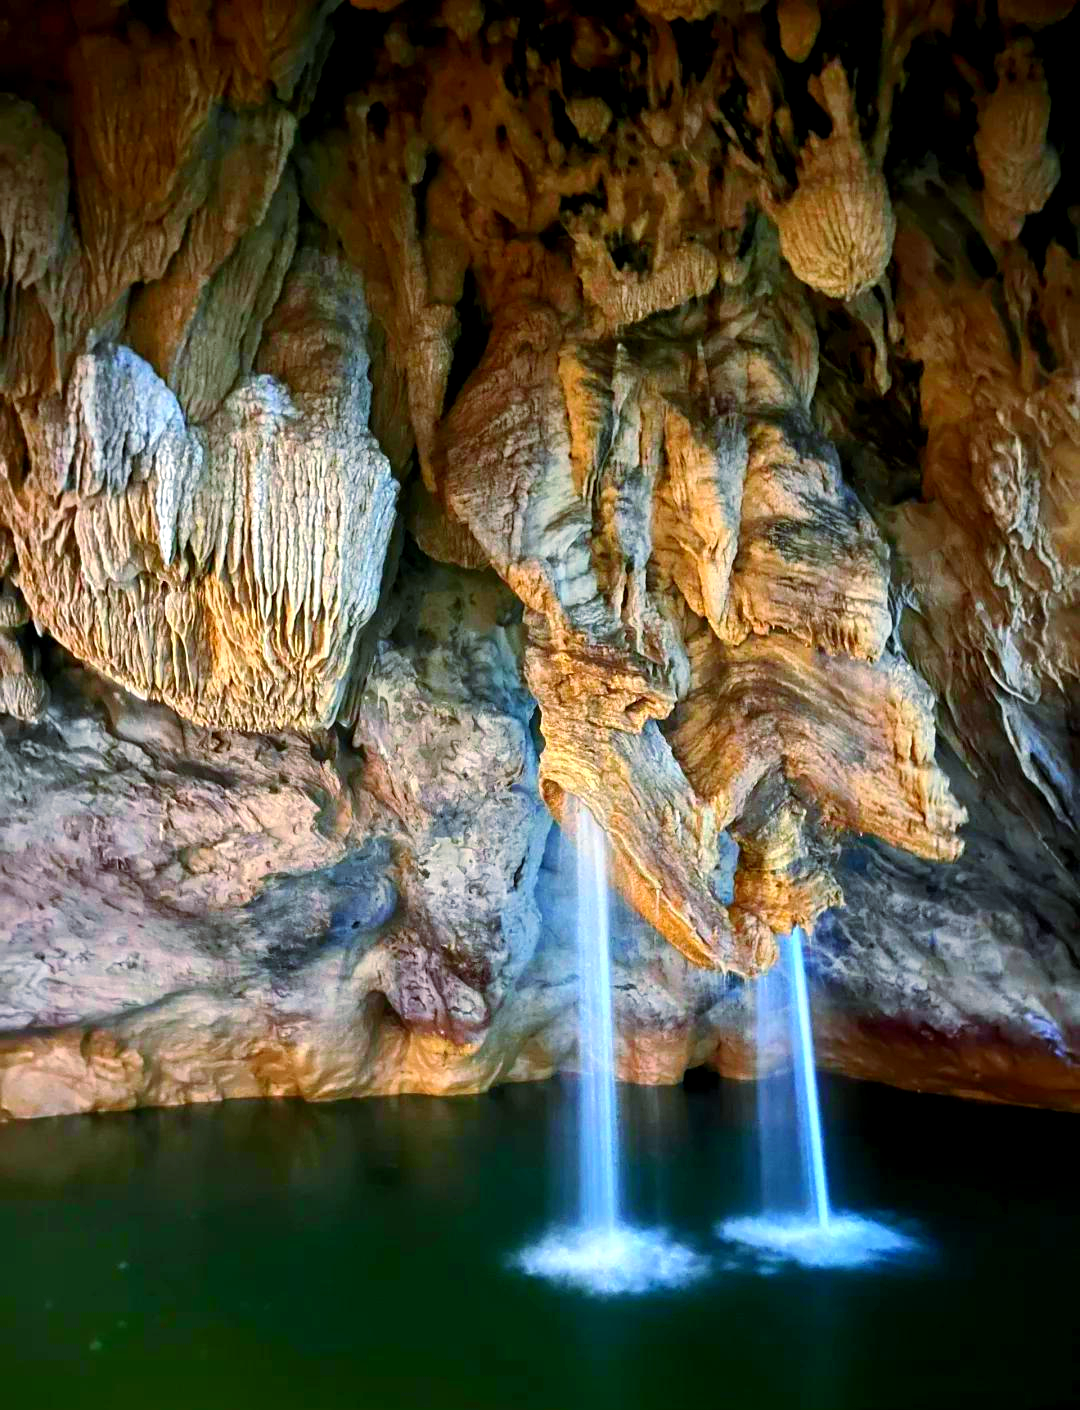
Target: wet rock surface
[(672, 408)]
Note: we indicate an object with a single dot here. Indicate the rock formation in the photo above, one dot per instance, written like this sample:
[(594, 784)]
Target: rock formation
[(437, 411)]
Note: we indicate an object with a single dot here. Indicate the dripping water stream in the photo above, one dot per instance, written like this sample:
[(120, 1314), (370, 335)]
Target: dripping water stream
[(810, 1139), (797, 1221), (598, 1112), (601, 1252)]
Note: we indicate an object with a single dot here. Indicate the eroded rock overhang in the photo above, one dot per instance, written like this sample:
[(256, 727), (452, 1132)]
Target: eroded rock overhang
[(586, 275)]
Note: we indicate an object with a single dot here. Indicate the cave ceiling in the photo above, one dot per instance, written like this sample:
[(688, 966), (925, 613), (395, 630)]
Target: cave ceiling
[(740, 340)]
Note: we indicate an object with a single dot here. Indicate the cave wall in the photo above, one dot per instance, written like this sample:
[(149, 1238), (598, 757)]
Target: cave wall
[(415, 416)]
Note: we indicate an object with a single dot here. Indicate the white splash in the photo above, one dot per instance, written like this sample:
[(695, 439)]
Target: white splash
[(797, 1224), (607, 1262), (846, 1241)]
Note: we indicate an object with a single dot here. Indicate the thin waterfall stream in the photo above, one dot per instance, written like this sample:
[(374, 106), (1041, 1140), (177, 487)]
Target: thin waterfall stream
[(813, 1146), (602, 1253), (797, 1221), (791, 1147)]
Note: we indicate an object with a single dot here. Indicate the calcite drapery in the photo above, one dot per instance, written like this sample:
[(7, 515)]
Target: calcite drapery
[(196, 503), (226, 568), (625, 490), (837, 229), (1001, 468), (1018, 168), (22, 690)]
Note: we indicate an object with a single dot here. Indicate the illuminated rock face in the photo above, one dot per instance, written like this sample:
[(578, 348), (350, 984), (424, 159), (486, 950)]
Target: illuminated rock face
[(228, 568), (228, 914), (739, 383)]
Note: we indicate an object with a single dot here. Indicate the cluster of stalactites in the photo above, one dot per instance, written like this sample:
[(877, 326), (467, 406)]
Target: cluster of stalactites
[(23, 693), (226, 568), (700, 585), (194, 498)]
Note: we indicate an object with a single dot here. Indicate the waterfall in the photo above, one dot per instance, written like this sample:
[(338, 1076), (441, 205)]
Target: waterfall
[(811, 1146), (796, 1220), (601, 1253), (598, 1114), (792, 1152)]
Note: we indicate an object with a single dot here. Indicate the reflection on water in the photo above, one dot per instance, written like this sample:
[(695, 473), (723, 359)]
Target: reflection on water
[(294, 1257)]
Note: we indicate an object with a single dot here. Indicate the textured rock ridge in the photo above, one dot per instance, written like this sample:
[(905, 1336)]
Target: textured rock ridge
[(666, 510), (725, 357), (228, 567), (193, 914)]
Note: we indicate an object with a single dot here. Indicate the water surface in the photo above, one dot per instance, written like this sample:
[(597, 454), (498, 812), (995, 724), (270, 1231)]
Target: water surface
[(292, 1257)]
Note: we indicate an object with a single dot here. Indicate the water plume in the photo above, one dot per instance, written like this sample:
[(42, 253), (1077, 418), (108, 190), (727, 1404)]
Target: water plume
[(792, 1151), (602, 1254), (609, 1262)]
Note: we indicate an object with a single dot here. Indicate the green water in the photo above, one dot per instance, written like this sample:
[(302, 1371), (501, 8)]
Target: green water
[(356, 1255)]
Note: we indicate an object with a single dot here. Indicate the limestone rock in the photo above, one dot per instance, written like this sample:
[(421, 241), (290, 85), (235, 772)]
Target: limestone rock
[(439, 534), (35, 167), (1019, 169), (241, 240), (268, 917), (800, 21), (739, 340), (1034, 13), (954, 979), (564, 486), (1000, 463), (23, 692)]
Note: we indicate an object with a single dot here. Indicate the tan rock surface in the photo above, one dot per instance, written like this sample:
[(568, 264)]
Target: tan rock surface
[(837, 229), (236, 915), (1019, 169), (226, 569), (740, 342)]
